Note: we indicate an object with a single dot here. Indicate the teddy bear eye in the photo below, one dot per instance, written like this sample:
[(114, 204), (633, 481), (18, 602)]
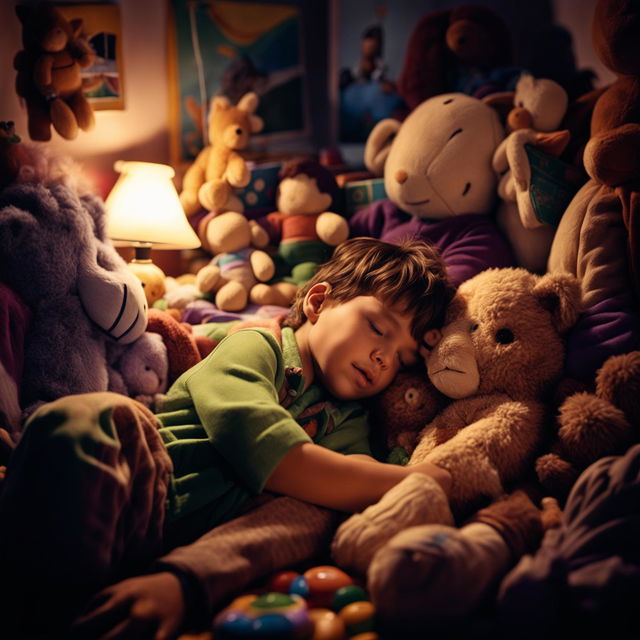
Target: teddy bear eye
[(474, 327), (504, 336), (411, 396)]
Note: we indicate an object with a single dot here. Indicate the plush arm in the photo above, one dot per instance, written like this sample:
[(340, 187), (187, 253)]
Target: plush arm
[(332, 228), (237, 173), (489, 452), (42, 74)]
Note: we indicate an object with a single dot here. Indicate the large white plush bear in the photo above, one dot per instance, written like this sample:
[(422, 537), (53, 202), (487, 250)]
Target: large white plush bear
[(439, 182)]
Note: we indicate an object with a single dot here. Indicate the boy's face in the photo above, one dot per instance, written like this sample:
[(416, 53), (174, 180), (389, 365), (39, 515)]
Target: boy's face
[(358, 346)]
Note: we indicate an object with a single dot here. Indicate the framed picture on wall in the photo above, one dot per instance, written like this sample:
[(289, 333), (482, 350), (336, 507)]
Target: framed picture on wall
[(229, 47), (101, 26)]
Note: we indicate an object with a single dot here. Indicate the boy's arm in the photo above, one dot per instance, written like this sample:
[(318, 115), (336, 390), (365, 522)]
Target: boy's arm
[(348, 483)]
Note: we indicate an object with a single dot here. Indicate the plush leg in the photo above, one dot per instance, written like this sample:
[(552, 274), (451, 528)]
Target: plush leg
[(277, 534), (83, 499), (418, 499), (437, 573)]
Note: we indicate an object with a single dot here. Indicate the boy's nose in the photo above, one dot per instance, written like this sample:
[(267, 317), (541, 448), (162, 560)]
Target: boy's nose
[(379, 358)]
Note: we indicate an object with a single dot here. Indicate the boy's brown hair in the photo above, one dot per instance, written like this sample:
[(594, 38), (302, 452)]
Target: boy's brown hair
[(411, 274)]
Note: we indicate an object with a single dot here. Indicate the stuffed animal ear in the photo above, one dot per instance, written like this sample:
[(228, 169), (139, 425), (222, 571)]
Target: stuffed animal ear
[(559, 293), (502, 102), (76, 26), (248, 102), (256, 123), (378, 144)]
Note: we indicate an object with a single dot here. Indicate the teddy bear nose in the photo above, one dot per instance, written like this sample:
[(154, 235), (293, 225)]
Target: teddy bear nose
[(239, 131), (401, 176)]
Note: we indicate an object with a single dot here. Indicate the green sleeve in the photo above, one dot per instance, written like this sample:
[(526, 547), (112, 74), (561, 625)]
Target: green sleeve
[(235, 394)]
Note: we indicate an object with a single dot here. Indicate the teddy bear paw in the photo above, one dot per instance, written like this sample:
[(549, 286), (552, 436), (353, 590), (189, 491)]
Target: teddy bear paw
[(418, 499)]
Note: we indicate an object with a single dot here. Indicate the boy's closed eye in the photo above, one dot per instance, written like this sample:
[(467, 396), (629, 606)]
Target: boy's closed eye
[(375, 328)]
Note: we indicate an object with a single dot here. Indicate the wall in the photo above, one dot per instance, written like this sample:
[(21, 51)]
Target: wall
[(139, 132)]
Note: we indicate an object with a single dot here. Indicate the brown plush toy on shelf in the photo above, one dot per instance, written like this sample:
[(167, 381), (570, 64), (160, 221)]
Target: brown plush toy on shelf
[(446, 44), (593, 425), (209, 181), (49, 68)]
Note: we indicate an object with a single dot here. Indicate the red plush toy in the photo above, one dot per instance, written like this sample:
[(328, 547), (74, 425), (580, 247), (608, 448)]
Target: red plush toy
[(48, 69)]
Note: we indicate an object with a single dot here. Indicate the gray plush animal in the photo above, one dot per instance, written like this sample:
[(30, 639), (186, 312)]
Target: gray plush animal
[(55, 254)]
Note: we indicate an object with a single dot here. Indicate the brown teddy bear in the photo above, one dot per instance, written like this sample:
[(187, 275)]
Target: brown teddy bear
[(501, 350), (596, 239), (593, 425), (48, 77), (218, 167), (448, 44), (399, 413)]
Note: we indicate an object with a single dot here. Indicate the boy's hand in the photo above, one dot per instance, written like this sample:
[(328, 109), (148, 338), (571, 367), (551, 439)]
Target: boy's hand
[(143, 607)]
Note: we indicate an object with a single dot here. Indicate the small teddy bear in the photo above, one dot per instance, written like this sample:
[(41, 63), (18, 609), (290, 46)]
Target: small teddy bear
[(501, 350), (238, 272), (305, 231), (398, 414), (209, 181), (539, 106), (49, 67)]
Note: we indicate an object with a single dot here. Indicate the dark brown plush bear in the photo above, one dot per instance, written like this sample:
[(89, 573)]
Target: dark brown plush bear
[(447, 42), (48, 69), (593, 425)]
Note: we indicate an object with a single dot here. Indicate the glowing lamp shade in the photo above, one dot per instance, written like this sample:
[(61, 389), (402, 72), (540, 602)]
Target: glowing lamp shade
[(143, 209)]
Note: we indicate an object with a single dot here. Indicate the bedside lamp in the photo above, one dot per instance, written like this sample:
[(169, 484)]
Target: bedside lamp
[(144, 211)]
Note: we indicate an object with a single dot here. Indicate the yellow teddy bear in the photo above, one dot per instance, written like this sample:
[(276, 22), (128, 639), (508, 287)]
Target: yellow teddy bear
[(209, 182)]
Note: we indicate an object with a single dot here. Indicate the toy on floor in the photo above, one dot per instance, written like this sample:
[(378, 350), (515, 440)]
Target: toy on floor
[(539, 106), (323, 603), (459, 49), (272, 615), (490, 361), (238, 272), (597, 239), (49, 72), (209, 181), (303, 228), (439, 182)]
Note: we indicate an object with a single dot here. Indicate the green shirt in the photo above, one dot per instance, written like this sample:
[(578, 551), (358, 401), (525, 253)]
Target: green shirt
[(229, 420)]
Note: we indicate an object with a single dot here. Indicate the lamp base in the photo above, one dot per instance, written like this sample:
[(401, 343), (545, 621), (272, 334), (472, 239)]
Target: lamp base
[(151, 276)]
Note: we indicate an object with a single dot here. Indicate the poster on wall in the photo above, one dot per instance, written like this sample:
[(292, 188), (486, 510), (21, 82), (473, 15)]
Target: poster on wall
[(226, 47), (370, 40), (101, 26)]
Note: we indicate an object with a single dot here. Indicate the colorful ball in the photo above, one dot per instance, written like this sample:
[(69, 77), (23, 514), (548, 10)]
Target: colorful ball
[(272, 615)]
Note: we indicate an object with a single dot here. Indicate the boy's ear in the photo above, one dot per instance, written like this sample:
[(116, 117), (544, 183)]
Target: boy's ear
[(315, 299)]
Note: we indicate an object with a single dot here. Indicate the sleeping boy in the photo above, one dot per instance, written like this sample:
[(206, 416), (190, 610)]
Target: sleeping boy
[(99, 487)]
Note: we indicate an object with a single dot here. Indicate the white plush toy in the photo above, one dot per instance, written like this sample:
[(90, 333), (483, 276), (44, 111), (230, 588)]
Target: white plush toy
[(440, 183), (539, 106)]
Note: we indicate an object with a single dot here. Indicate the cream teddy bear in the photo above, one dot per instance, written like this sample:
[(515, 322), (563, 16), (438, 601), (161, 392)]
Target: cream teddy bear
[(209, 181)]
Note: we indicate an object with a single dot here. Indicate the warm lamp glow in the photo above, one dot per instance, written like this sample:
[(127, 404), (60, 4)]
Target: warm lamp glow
[(143, 209)]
